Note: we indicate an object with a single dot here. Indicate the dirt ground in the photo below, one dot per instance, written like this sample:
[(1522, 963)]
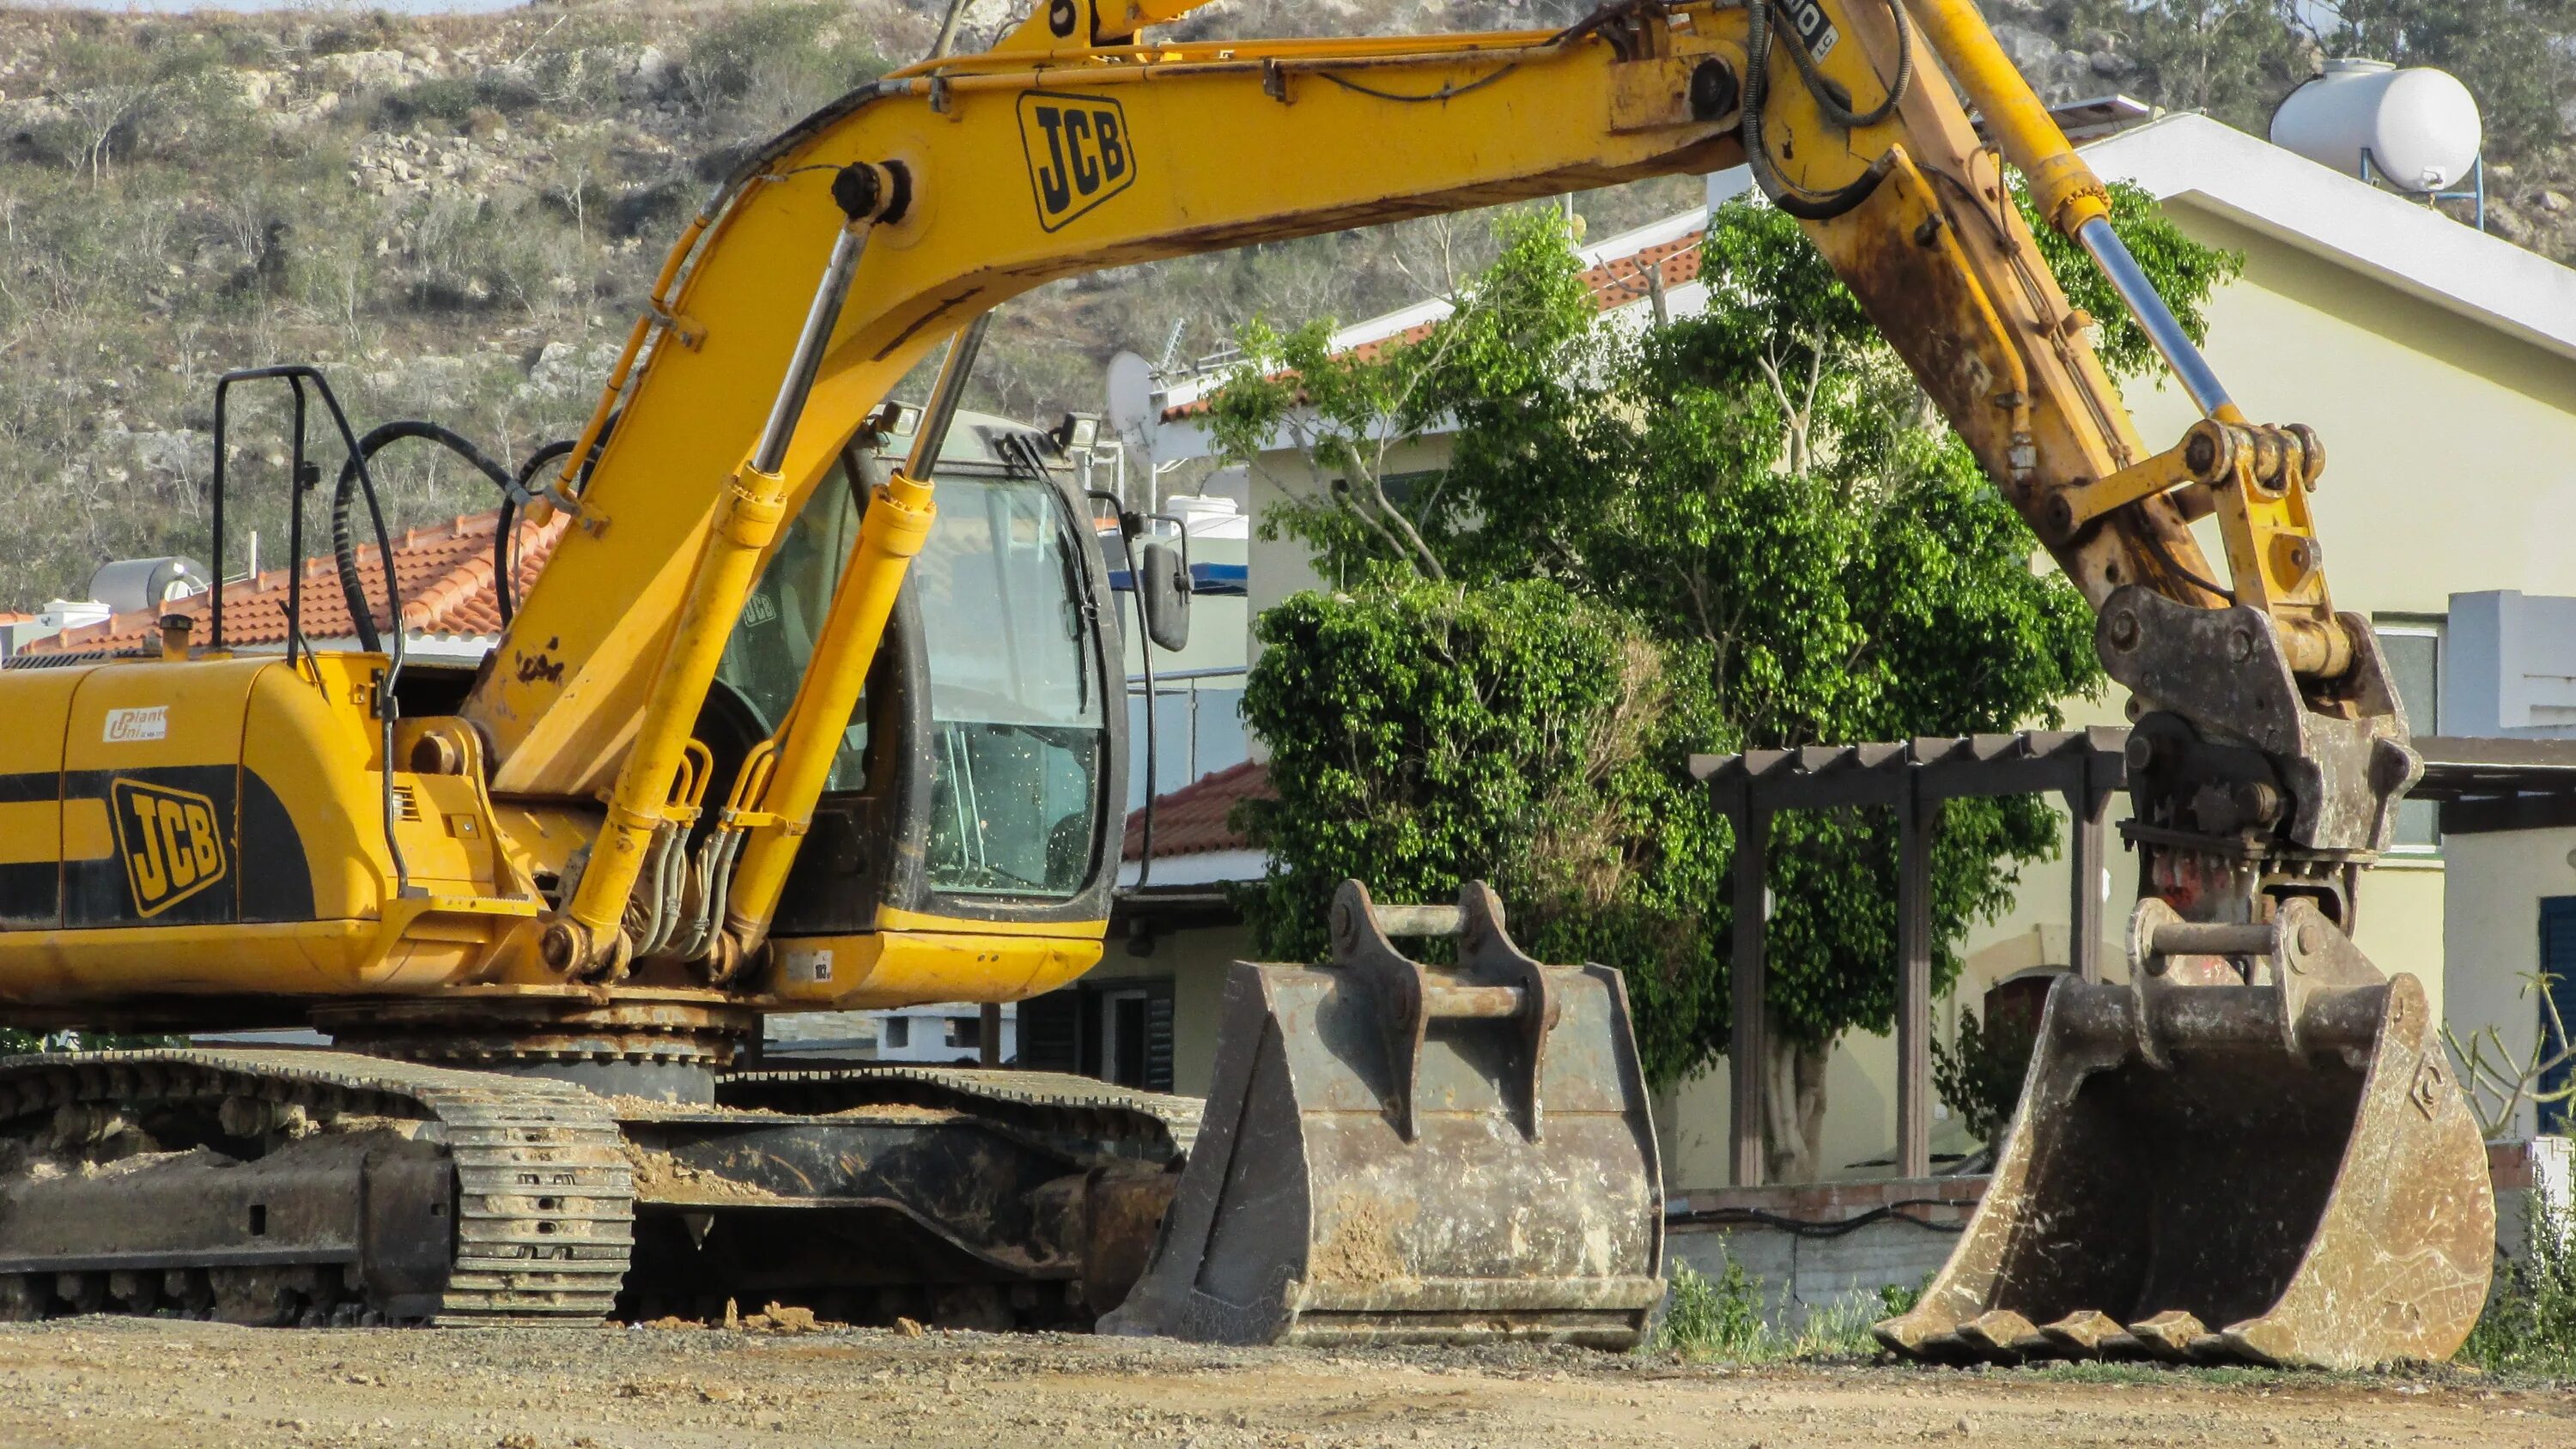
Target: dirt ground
[(161, 1384)]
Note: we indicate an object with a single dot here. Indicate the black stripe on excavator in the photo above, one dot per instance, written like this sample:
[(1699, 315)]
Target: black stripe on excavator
[(188, 844)]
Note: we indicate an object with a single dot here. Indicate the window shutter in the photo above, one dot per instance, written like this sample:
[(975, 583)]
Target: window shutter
[(1158, 1036), (1051, 1031), (2558, 961)]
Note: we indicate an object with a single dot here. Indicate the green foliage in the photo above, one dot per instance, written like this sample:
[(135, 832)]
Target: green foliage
[(2185, 271), (14, 1042), (1980, 1075), (2530, 1322), (116, 101), (1756, 500), (1704, 1318), (1721, 1319), (2238, 59), (2233, 59), (1427, 688), (455, 99)]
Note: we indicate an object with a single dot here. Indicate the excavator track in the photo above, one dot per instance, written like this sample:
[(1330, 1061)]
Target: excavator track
[(312, 1187), (320, 1187)]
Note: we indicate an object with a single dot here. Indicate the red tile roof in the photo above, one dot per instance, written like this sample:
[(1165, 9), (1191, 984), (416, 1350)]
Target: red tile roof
[(1193, 820), (1615, 283), (445, 572)]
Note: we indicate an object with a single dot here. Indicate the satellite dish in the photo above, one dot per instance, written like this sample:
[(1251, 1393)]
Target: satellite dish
[(1132, 411)]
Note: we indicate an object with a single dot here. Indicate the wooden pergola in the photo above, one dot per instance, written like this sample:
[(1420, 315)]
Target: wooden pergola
[(2481, 784)]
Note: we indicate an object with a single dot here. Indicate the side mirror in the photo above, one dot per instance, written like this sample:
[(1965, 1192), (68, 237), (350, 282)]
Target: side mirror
[(1163, 592)]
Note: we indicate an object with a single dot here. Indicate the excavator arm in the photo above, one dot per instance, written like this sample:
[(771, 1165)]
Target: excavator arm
[(1057, 153)]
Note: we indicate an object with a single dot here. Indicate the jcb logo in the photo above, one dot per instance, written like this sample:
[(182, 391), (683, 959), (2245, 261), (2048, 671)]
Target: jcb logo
[(172, 844), (1079, 153)]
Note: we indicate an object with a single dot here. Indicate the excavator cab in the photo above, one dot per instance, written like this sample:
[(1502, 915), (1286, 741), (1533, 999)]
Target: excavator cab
[(982, 778)]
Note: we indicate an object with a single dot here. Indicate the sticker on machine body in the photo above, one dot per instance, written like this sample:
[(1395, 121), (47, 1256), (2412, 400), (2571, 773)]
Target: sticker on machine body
[(136, 725), (807, 964), (1816, 33)]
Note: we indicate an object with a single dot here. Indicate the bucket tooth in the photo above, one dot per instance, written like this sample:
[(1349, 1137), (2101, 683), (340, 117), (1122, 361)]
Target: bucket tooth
[(2172, 1335), (1397, 1153), (2291, 1159), (2090, 1333), (1997, 1336)]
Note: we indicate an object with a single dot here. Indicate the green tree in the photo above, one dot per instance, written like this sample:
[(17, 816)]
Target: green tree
[(1744, 529)]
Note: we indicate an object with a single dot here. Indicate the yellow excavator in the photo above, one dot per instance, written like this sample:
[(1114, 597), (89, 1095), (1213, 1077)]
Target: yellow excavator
[(540, 906)]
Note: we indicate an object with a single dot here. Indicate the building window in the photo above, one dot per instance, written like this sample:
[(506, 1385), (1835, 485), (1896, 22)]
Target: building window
[(2413, 648), (966, 1032), (898, 1031), (1198, 719), (1119, 1031)]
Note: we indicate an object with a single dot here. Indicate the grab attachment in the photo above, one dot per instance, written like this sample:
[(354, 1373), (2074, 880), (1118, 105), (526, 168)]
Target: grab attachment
[(1396, 1152), (2255, 1152)]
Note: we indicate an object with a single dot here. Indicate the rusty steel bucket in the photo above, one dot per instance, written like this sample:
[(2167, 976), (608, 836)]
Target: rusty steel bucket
[(1398, 1153), (2254, 1153)]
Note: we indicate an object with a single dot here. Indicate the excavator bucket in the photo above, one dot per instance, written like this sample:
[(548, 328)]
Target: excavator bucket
[(2256, 1153), (1400, 1153)]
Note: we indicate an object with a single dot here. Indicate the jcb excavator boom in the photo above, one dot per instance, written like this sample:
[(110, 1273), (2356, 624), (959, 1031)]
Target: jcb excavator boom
[(898, 809)]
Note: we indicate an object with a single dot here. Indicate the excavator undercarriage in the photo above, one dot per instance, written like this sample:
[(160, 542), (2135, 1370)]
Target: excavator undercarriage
[(312, 1187)]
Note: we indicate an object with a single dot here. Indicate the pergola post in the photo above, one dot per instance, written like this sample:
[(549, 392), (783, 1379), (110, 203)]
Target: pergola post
[(2087, 853), (1916, 820)]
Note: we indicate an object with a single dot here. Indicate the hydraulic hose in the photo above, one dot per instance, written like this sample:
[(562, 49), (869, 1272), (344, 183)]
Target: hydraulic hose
[(1802, 204), (514, 496)]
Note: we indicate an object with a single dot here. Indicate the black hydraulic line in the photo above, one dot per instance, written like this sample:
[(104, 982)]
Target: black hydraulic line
[(514, 495), (297, 375), (1145, 656), (1819, 1228), (1802, 204)]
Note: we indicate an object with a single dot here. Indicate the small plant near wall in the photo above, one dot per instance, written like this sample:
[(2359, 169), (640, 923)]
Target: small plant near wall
[(2530, 1322), (2498, 1081)]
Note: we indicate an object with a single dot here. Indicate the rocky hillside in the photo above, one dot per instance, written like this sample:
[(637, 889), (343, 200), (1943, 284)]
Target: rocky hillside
[(458, 216)]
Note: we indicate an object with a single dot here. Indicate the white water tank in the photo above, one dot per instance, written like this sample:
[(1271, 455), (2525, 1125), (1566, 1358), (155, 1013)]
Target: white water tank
[(2419, 125)]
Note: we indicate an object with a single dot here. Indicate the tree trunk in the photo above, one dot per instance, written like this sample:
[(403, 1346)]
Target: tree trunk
[(1793, 1108)]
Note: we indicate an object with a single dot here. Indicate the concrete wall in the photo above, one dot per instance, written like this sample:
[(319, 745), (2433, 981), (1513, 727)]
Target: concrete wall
[(1799, 1273)]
